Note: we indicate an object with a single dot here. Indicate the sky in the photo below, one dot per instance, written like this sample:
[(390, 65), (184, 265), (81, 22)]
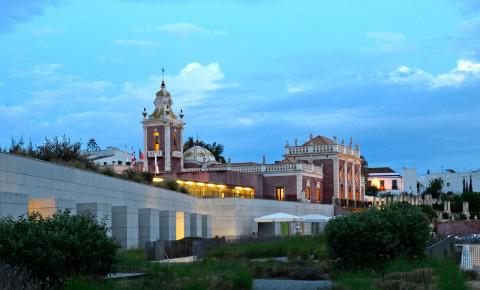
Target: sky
[(402, 78)]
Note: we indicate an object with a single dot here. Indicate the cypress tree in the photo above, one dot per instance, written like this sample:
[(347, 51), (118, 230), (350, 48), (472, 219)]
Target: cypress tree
[(470, 188), (464, 185)]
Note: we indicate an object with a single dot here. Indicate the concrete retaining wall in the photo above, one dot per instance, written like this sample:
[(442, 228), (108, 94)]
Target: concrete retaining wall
[(52, 187)]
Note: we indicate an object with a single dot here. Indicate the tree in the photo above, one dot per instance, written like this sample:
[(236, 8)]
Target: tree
[(364, 163), (214, 148), (435, 187), (470, 187), (464, 185), (92, 145)]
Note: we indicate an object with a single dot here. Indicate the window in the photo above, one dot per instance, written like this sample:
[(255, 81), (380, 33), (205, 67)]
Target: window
[(382, 185), (280, 193), (308, 193), (319, 194), (448, 184), (119, 162), (104, 163), (394, 184), (127, 163)]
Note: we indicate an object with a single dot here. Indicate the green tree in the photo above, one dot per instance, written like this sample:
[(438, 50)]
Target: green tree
[(92, 145), (435, 187), (58, 247), (470, 187), (372, 237)]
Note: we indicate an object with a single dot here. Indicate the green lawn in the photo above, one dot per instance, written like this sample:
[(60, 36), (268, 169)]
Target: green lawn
[(402, 274), (230, 267)]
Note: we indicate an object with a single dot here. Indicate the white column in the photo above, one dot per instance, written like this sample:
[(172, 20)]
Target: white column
[(181, 147), (353, 181), (168, 153), (336, 183), (345, 182), (145, 149)]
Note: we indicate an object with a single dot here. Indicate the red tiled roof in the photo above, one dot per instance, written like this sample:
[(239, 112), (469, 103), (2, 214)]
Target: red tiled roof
[(320, 140)]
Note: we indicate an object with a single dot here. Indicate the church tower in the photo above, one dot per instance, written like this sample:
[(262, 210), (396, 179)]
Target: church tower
[(163, 136)]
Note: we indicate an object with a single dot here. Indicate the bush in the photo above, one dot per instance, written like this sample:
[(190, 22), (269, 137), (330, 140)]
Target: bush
[(372, 237), (58, 247)]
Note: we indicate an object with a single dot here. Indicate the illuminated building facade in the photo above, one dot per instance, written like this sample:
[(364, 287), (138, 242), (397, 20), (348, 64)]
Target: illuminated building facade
[(319, 171), (385, 179)]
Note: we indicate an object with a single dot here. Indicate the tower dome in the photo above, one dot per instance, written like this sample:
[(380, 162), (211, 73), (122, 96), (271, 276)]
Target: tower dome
[(198, 155)]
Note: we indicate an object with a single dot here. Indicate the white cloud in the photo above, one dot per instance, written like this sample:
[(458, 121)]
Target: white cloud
[(298, 88), (244, 121), (136, 43), (184, 28), (386, 41), (464, 71)]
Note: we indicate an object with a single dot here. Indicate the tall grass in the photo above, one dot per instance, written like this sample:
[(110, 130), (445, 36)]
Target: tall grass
[(293, 247), (445, 275)]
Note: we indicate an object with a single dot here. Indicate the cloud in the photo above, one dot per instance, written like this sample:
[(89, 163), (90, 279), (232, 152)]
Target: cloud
[(184, 28), (386, 41), (471, 26), (195, 82), (136, 43), (298, 88), (464, 72), (13, 12)]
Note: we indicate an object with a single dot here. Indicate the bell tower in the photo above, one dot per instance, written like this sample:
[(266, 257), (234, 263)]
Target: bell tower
[(163, 136)]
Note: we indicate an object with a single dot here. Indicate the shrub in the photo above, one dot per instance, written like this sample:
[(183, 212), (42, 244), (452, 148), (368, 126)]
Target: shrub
[(372, 237), (57, 247)]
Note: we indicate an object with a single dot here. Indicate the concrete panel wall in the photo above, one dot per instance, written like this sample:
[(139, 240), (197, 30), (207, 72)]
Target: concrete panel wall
[(195, 225), (125, 226), (148, 226), (168, 225), (41, 179), (95, 193), (13, 204), (101, 211), (48, 206), (234, 216), (206, 226)]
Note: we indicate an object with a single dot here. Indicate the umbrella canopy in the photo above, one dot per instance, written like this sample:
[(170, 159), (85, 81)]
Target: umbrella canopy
[(278, 217), (316, 218)]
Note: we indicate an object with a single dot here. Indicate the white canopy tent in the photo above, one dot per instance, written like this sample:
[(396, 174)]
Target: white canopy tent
[(278, 217), (316, 218)]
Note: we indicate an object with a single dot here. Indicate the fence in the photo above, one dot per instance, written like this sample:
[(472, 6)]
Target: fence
[(443, 249), (160, 250)]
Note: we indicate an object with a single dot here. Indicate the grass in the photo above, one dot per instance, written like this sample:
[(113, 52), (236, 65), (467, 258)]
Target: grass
[(230, 267), (293, 247), (418, 274)]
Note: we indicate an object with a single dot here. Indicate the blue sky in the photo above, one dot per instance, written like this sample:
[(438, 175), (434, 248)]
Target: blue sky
[(401, 77)]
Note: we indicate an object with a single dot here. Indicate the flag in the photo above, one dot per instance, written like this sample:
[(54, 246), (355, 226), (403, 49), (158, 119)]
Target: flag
[(141, 155), (134, 160)]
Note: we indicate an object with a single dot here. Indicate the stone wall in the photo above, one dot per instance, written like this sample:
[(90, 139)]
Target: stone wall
[(458, 228)]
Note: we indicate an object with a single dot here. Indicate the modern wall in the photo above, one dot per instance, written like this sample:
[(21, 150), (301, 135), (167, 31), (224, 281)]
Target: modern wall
[(25, 179)]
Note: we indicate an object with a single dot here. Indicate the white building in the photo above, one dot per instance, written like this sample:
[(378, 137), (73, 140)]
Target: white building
[(410, 180), (111, 157), (452, 181), (385, 179)]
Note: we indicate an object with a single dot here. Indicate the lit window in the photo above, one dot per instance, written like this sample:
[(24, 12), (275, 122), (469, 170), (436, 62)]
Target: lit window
[(280, 193), (308, 193)]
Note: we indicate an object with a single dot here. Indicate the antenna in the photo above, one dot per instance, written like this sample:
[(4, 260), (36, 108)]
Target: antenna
[(163, 74)]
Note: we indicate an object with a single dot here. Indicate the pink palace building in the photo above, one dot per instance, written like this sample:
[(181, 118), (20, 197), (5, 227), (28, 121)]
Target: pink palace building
[(320, 170)]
